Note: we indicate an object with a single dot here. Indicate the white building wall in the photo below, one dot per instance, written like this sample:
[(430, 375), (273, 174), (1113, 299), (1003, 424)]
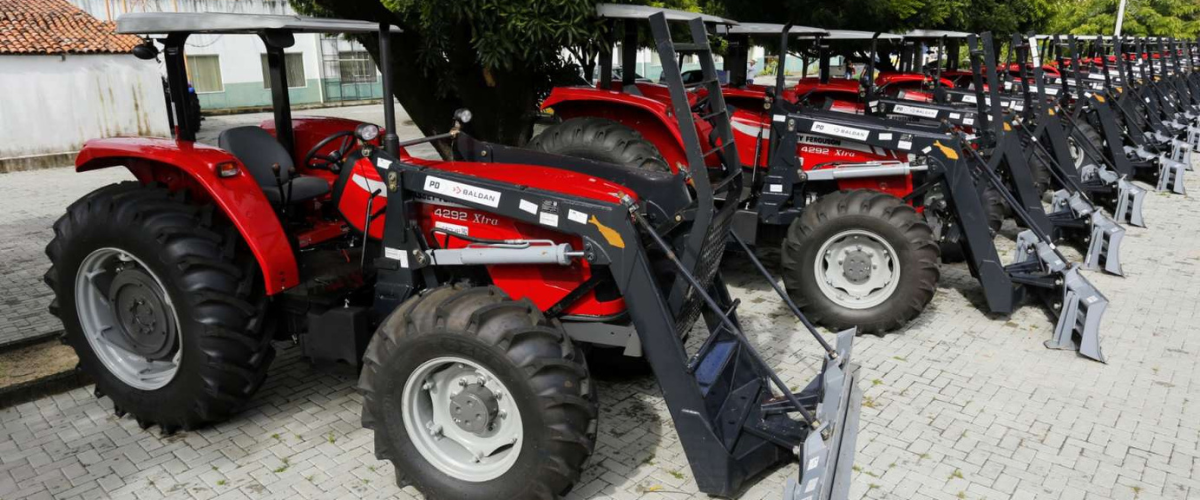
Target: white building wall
[(50, 105), (240, 56)]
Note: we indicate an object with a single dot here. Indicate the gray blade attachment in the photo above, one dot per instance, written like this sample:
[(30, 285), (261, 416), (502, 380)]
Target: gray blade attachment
[(1104, 235), (827, 454), (1170, 175), (1129, 203), (1080, 306)]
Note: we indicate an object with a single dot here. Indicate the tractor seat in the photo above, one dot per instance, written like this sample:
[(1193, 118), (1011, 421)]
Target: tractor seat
[(259, 151)]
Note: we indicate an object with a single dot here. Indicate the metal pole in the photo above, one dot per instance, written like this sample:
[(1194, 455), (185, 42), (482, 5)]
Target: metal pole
[(391, 141), (1120, 17)]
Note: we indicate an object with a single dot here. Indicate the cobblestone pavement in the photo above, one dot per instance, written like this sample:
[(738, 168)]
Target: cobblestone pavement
[(958, 405)]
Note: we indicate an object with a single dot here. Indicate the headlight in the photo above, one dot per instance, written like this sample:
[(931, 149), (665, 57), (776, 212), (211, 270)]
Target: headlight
[(366, 132)]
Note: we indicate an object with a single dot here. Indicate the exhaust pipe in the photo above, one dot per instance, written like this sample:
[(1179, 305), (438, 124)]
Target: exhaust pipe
[(1079, 305)]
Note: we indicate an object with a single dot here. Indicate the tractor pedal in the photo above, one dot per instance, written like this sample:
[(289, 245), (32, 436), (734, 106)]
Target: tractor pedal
[(1170, 175), (1080, 306), (1130, 198)]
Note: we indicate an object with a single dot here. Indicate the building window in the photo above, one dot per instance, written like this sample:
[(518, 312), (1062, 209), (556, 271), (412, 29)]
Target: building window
[(293, 64), (205, 72), (356, 67)]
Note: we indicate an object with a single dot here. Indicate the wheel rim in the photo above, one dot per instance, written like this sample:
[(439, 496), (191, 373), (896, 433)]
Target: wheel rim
[(1076, 152), (462, 419), (128, 319), (857, 269)]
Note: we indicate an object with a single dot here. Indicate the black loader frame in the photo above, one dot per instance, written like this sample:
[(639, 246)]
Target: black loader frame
[(735, 417)]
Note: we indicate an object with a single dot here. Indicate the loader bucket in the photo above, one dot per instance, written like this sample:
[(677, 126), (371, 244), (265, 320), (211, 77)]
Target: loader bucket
[(1129, 203), (828, 454), (1193, 134), (1170, 175), (1079, 305), (1104, 237)]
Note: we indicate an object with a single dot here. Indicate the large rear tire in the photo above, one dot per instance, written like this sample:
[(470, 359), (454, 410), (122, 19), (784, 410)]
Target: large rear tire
[(1040, 170), (1077, 150), (860, 258), (601, 140), (162, 302), (461, 348), (995, 207)]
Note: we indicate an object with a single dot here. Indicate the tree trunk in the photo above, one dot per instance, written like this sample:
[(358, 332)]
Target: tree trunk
[(503, 108)]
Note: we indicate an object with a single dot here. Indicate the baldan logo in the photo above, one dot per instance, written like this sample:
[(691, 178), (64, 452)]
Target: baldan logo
[(462, 191)]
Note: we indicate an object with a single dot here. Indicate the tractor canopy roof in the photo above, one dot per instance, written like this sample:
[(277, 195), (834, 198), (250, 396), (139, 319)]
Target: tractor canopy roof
[(754, 29), (935, 34), (862, 35), (620, 11), (155, 23)]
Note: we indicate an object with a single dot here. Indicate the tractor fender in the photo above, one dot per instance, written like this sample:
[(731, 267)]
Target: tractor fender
[(649, 117), (192, 166)]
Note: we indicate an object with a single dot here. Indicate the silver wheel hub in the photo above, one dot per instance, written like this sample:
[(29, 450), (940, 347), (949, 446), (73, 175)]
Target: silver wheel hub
[(857, 269), (462, 419), (128, 319), (1076, 152)]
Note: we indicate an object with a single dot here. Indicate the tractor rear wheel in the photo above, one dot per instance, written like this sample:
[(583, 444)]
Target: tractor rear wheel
[(1077, 151), (162, 302), (1040, 171), (601, 140), (860, 258), (994, 207), (473, 395)]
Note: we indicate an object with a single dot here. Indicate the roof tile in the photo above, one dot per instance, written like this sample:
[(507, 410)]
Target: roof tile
[(57, 27)]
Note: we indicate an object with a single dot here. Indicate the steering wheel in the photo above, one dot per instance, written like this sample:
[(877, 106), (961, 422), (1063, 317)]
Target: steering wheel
[(330, 161)]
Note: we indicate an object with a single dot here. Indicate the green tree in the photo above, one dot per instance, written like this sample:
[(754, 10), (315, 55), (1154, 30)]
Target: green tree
[(999, 16), (498, 58), (495, 57), (1178, 18)]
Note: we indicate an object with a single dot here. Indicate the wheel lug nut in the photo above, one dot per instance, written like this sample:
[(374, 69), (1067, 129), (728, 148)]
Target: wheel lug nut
[(462, 382)]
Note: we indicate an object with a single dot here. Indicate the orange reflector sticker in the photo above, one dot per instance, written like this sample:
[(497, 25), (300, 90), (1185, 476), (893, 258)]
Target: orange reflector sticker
[(946, 150), (611, 235)]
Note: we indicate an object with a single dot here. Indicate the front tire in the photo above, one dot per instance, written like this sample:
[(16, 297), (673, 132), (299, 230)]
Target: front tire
[(473, 347), (163, 304), (860, 258)]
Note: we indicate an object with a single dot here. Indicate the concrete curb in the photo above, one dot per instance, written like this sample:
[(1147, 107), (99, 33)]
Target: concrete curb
[(28, 341), (46, 386)]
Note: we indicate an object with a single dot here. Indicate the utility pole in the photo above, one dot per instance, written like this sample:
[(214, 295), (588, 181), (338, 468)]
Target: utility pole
[(1120, 17)]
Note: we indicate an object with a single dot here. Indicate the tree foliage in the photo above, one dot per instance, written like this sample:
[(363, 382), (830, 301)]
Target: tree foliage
[(1178, 18), (999, 16)]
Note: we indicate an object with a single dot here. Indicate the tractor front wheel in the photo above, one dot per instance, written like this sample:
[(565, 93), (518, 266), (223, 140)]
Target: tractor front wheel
[(860, 258), (162, 302), (473, 395)]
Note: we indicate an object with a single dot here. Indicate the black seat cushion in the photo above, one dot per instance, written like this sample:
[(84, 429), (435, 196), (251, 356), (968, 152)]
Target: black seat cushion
[(260, 152)]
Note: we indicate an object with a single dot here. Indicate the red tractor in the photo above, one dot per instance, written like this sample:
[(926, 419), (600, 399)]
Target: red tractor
[(856, 253), (466, 291), (871, 193)]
